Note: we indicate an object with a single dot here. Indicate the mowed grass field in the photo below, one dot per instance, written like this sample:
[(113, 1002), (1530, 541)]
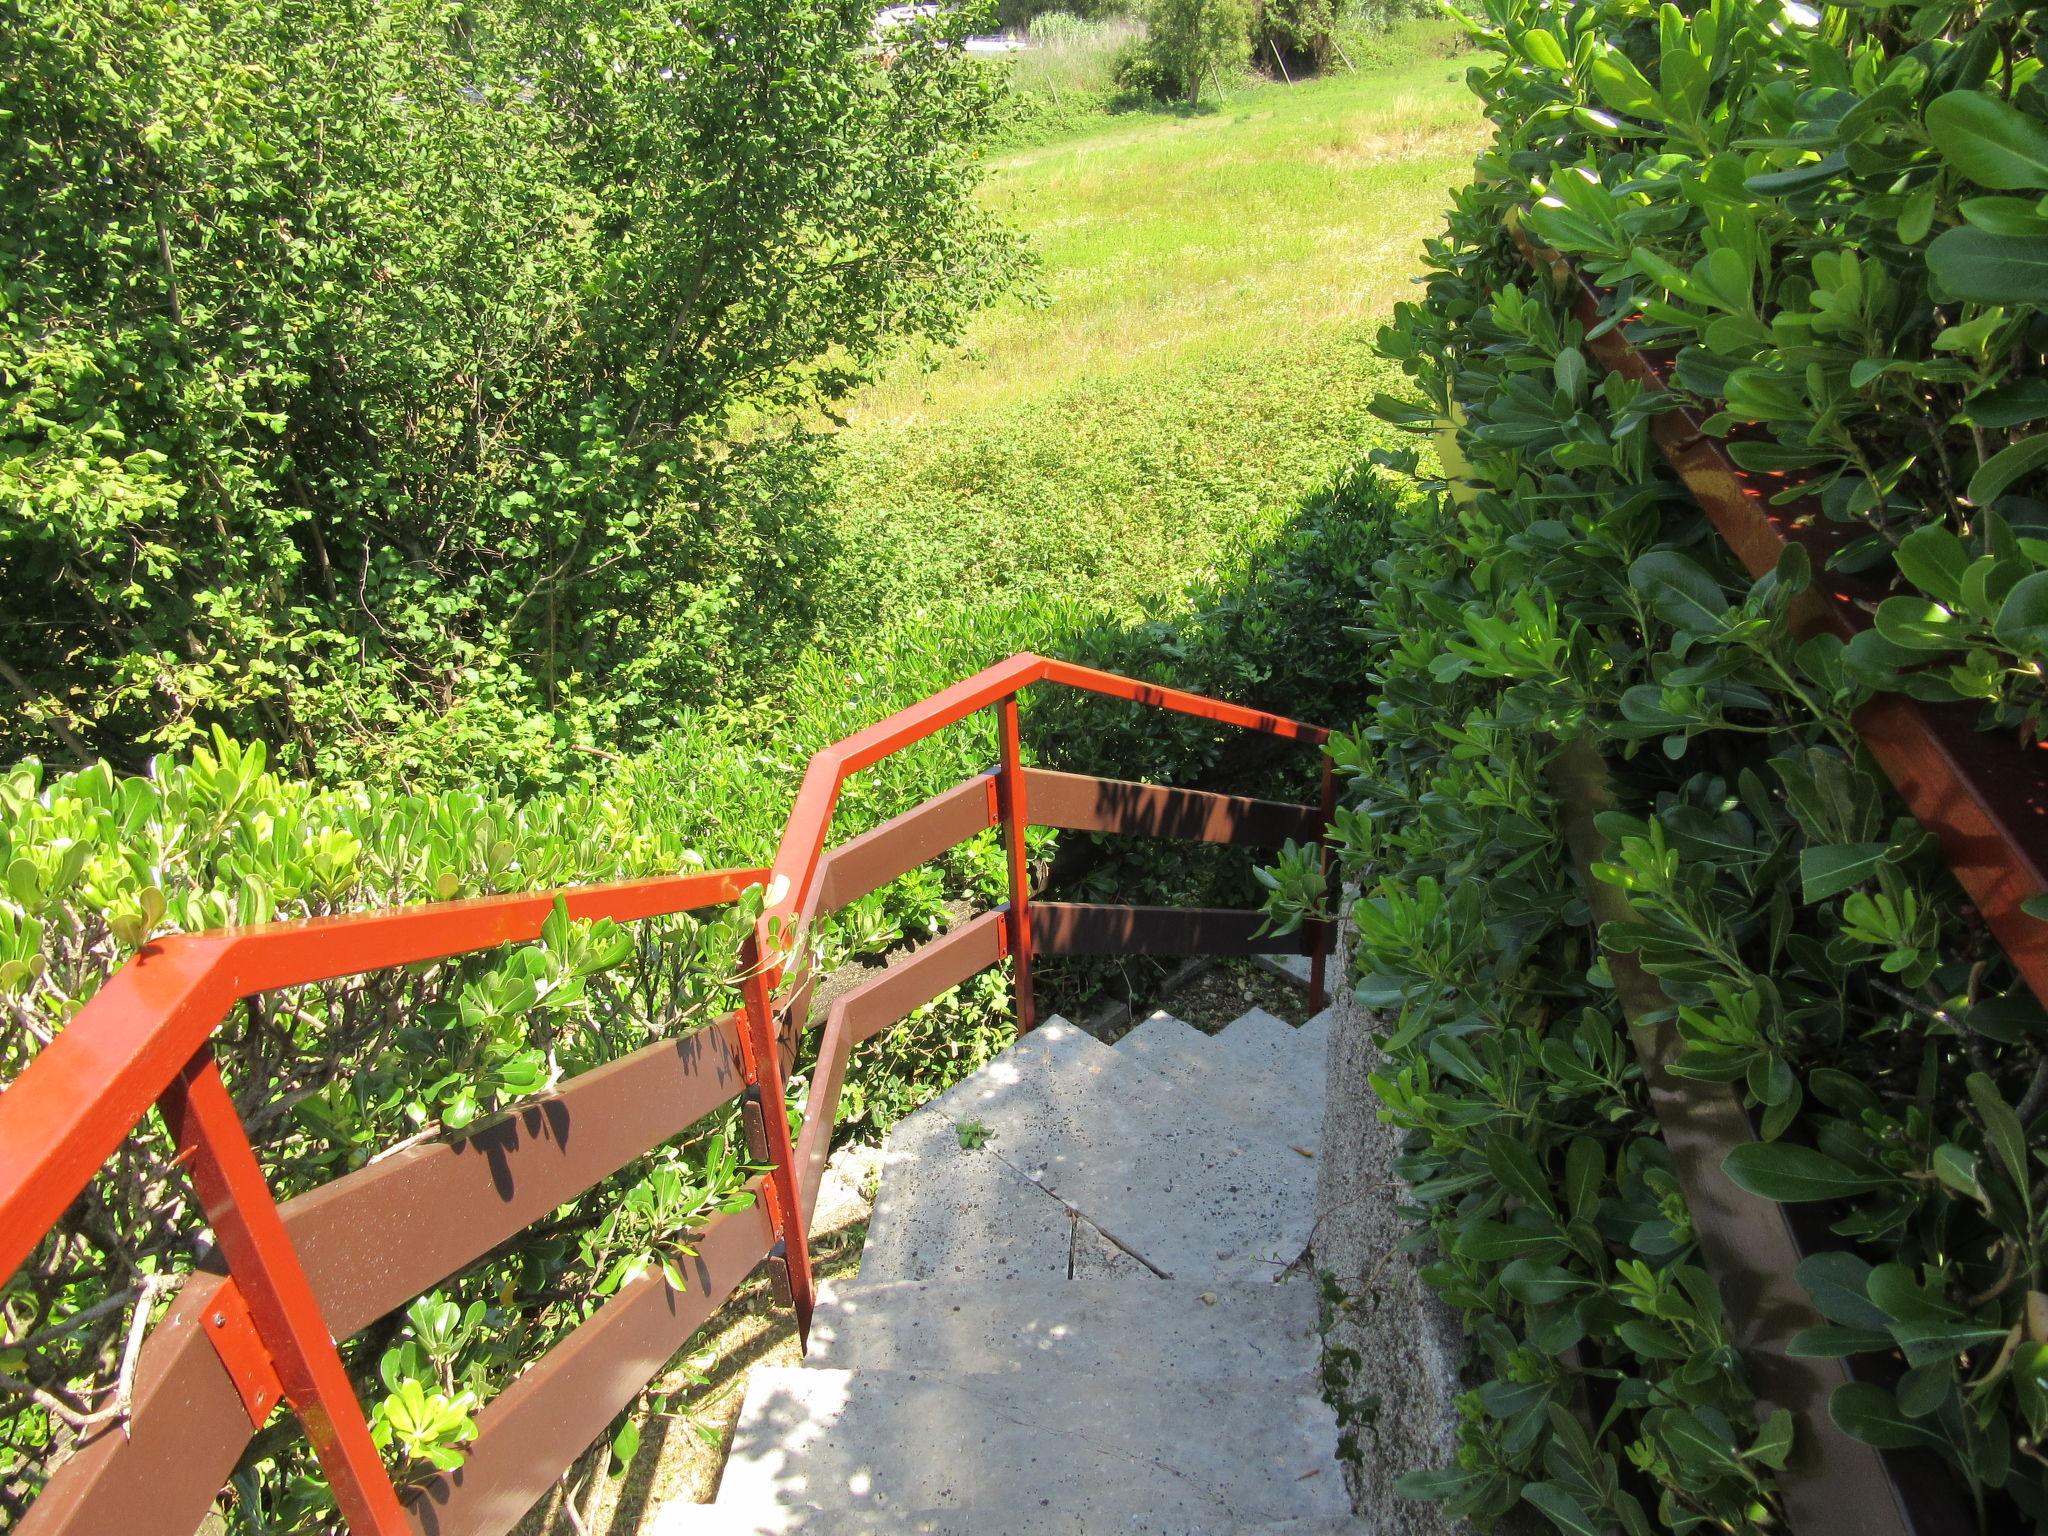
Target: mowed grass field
[(1199, 355)]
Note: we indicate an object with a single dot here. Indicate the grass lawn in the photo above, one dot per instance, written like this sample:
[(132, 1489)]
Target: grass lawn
[(1201, 352)]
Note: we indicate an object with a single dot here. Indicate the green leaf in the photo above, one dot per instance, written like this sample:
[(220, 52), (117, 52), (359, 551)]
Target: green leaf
[(2022, 622), (1999, 472), (1990, 269), (1696, 1441), (1514, 1164), (1651, 1340), (1538, 1284), (1939, 1339), (1562, 1509), (1800, 178), (2030, 1382), (2018, 216), (2010, 405), (1916, 624), (1585, 1171), (1682, 591), (1788, 1174), (2002, 1128), (1917, 217), (1896, 1289), (1992, 143), (1773, 1444), (1957, 1168), (626, 1443), (1838, 1283), (1403, 413), (1569, 370), (1933, 559), (1831, 1343), (1434, 1483), (1866, 1412), (1622, 86), (1488, 1240), (1827, 869), (1542, 49)]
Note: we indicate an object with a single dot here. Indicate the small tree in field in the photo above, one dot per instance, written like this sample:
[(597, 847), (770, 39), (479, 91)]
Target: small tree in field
[(1191, 39)]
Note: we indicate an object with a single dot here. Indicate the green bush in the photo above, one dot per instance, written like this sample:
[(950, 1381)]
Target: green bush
[(376, 366), (1187, 43), (1801, 208)]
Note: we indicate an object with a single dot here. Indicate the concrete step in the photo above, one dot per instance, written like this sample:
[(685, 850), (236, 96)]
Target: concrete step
[(1251, 1331), (1251, 1088), (678, 1518), (1294, 968), (1187, 1453), (944, 1212), (1297, 1055), (1164, 1171)]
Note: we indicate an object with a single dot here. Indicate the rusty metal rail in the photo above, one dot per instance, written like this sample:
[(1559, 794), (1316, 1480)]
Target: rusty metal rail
[(262, 1323)]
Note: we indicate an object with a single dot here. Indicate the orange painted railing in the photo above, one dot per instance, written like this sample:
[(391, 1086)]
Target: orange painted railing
[(300, 1276)]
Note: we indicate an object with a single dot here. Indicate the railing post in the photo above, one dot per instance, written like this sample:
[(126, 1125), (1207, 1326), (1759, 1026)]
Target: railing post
[(266, 1270), (1319, 937), (1010, 803), (761, 1058)]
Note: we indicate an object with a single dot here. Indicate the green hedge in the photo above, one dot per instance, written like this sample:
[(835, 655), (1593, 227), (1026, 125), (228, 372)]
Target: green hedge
[(1820, 213)]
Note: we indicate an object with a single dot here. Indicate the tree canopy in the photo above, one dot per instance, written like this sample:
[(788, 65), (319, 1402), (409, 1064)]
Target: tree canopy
[(415, 378)]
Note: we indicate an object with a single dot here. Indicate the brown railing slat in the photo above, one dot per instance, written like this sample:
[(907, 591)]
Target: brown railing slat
[(872, 1007), (534, 1429), (374, 1239), (370, 1242), (870, 861), (1081, 803), (1082, 928)]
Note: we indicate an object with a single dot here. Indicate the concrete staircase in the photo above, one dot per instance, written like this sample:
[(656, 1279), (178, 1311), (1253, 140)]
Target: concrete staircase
[(1082, 1308)]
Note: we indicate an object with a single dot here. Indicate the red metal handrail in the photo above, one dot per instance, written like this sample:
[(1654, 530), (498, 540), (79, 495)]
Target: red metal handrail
[(810, 822), (145, 1038)]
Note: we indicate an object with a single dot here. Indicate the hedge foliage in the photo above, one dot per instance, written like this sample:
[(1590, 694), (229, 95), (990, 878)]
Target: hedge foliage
[(1836, 221)]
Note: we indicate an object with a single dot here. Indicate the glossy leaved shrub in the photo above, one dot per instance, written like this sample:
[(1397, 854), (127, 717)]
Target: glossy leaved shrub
[(1830, 217)]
